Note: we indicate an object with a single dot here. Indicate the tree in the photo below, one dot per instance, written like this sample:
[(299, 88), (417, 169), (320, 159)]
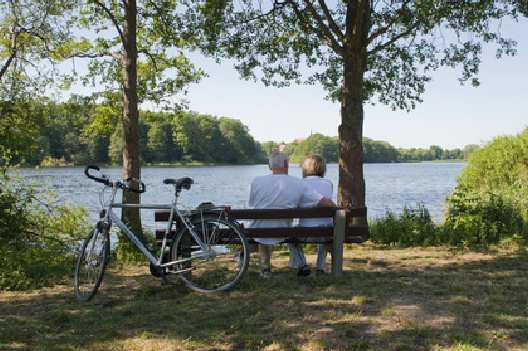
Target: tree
[(378, 151), (159, 144), (32, 34), (268, 147), (316, 144), (129, 57), (436, 152), (469, 149), (360, 50), (244, 149)]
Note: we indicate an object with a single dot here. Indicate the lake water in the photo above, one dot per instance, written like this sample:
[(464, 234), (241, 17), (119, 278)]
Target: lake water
[(389, 186)]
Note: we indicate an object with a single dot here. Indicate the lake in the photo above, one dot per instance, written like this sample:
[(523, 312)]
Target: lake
[(389, 186)]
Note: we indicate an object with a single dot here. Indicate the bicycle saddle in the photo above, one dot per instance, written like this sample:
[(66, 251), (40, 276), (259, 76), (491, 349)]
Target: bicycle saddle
[(184, 183)]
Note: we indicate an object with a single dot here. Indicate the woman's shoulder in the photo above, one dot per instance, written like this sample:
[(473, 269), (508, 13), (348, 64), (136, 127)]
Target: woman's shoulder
[(315, 179)]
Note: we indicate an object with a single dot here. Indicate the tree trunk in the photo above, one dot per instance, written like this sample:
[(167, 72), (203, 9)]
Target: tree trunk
[(351, 191), (131, 167)]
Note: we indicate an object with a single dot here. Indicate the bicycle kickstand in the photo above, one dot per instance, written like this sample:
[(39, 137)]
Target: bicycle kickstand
[(164, 281)]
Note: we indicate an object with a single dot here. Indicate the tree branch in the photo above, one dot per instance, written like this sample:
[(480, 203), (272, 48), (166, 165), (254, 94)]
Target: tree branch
[(384, 29), (35, 234), (327, 37), (330, 20), (394, 39), (94, 55), (111, 16), (11, 57)]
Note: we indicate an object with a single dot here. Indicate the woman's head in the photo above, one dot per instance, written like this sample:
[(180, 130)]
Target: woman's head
[(313, 165)]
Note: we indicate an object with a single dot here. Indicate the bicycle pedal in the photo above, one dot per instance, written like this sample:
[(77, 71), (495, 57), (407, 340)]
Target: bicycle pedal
[(157, 271)]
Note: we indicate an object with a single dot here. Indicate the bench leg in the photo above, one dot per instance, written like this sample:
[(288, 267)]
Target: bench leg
[(339, 236)]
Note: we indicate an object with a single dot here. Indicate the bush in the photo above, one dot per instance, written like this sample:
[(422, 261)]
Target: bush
[(414, 227), (489, 203), (483, 219), (38, 238)]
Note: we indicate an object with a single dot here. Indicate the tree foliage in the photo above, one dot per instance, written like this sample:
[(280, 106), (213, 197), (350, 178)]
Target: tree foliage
[(359, 50), (316, 144), (34, 34), (182, 137), (32, 37), (163, 70)]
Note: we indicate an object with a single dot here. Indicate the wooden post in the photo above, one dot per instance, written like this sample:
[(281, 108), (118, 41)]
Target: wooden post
[(339, 237)]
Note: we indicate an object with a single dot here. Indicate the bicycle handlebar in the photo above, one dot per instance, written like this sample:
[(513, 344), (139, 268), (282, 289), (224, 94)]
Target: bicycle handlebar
[(104, 179), (139, 191)]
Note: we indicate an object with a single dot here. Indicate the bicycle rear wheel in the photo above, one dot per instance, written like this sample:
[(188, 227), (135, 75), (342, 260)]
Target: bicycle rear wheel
[(223, 262), (92, 262)]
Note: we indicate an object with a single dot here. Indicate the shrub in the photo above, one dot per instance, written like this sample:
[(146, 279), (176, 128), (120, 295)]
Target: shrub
[(38, 238), (490, 200), (414, 227), (483, 219)]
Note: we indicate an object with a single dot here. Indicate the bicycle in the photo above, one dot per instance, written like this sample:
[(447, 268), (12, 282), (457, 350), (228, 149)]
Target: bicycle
[(207, 251)]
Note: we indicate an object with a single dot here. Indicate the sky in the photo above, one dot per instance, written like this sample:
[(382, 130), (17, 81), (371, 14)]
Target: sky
[(451, 116)]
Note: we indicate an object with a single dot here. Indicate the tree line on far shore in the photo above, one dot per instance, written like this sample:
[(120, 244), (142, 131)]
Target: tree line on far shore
[(66, 138)]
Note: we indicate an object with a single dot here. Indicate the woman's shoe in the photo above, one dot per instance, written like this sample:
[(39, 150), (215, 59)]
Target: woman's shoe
[(304, 271)]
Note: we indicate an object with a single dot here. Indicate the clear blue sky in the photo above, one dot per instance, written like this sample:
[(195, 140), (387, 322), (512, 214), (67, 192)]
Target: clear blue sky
[(451, 116)]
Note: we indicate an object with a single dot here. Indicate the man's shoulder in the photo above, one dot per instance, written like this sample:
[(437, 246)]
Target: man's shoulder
[(261, 178)]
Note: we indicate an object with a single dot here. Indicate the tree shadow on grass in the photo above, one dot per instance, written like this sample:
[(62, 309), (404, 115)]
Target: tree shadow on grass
[(386, 300), (471, 301)]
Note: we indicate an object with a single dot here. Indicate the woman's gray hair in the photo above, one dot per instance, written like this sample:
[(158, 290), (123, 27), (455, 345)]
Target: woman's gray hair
[(277, 159), (313, 165)]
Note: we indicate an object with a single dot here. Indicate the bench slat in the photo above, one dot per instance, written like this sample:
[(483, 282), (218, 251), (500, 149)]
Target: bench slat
[(352, 235), (242, 214)]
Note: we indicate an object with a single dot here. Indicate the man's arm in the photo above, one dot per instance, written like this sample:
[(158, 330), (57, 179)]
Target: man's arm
[(326, 202)]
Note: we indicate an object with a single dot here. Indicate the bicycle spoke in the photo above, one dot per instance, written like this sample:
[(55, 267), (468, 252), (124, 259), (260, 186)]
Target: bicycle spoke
[(91, 264), (214, 267)]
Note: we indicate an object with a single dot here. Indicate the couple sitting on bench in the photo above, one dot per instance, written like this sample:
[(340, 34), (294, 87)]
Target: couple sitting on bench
[(279, 190)]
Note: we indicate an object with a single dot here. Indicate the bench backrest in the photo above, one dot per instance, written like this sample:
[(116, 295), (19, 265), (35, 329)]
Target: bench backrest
[(356, 228)]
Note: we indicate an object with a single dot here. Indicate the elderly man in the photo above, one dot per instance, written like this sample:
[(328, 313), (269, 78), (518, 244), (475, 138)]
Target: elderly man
[(279, 190)]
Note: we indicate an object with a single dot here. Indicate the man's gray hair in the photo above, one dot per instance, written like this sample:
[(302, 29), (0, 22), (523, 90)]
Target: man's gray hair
[(277, 159)]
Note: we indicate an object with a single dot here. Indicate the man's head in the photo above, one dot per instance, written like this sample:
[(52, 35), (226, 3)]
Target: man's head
[(313, 165), (278, 163)]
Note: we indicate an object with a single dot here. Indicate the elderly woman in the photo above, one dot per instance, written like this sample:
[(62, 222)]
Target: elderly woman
[(313, 171)]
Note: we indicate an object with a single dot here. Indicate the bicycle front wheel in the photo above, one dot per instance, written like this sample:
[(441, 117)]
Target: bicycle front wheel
[(222, 260), (92, 262)]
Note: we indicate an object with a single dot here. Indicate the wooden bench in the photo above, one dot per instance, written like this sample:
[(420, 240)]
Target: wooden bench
[(350, 226)]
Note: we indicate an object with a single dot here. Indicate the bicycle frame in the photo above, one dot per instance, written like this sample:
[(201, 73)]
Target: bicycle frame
[(112, 217), (207, 252)]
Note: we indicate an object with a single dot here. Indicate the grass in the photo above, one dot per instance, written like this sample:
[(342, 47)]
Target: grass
[(388, 299)]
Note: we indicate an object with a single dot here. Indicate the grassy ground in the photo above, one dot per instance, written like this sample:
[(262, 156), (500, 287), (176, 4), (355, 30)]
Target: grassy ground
[(388, 299)]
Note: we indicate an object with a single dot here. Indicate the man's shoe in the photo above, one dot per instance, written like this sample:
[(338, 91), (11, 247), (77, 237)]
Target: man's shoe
[(266, 273)]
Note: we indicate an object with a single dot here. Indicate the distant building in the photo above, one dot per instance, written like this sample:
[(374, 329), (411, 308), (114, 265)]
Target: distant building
[(300, 140)]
